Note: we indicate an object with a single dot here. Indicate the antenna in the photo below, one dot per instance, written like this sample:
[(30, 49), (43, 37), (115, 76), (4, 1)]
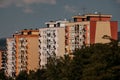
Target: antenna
[(100, 16), (65, 19), (79, 13), (84, 10), (96, 12)]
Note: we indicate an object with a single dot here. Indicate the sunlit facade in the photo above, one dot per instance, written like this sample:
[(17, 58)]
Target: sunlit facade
[(11, 57), (30, 49), (77, 36), (27, 57), (89, 29), (51, 43), (99, 25)]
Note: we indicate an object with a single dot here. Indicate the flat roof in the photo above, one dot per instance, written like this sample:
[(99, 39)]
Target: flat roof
[(93, 15)]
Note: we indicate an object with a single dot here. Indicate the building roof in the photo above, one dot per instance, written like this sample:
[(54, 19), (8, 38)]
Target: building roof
[(92, 15)]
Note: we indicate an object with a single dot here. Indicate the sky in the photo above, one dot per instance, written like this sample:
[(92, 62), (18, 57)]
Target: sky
[(16, 15)]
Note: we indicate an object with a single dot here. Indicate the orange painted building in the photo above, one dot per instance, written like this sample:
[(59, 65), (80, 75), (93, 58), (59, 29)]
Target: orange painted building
[(27, 55), (100, 25), (89, 29)]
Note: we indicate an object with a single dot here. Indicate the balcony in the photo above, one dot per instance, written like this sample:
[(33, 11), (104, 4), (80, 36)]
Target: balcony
[(39, 41), (39, 47), (66, 50), (48, 34), (39, 35), (66, 37), (66, 42), (84, 36), (39, 53), (67, 29)]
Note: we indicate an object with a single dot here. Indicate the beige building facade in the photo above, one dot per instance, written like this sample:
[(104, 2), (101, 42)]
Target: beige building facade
[(27, 56), (51, 43), (77, 34)]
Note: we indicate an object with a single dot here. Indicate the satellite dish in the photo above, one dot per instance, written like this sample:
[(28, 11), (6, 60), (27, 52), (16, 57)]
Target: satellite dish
[(96, 12), (65, 19), (79, 13), (16, 31)]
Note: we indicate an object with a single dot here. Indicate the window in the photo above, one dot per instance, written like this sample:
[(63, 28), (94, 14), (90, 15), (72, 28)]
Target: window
[(30, 32), (75, 19), (58, 24), (48, 25), (54, 25)]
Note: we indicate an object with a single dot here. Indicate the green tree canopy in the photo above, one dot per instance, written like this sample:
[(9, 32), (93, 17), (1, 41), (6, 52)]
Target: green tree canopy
[(95, 62), (99, 61)]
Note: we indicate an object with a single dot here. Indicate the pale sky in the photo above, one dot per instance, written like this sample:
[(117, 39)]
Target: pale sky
[(16, 15)]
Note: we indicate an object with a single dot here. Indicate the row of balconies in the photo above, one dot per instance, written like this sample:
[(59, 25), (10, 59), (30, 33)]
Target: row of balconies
[(77, 41), (24, 63), (51, 34), (23, 40)]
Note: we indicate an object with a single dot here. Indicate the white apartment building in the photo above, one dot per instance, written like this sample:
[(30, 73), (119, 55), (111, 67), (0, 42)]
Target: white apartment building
[(51, 43), (10, 71)]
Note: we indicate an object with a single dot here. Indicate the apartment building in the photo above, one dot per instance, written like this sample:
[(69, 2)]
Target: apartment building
[(3, 60), (89, 29), (77, 35), (51, 43), (27, 55), (86, 29), (100, 25), (30, 49), (11, 57)]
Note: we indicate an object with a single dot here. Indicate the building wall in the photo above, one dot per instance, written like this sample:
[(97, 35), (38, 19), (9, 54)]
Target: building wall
[(61, 41), (99, 29), (100, 25), (19, 52), (92, 17), (33, 53), (42, 47), (92, 32), (10, 71), (77, 35), (102, 28), (114, 29), (51, 43), (99, 18), (27, 56)]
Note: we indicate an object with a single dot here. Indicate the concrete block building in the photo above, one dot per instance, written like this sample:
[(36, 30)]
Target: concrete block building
[(51, 43), (27, 57)]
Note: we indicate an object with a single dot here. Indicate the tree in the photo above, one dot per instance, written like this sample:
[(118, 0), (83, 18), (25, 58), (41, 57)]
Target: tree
[(99, 61), (2, 75), (94, 62), (32, 75), (40, 74), (58, 68), (22, 76)]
